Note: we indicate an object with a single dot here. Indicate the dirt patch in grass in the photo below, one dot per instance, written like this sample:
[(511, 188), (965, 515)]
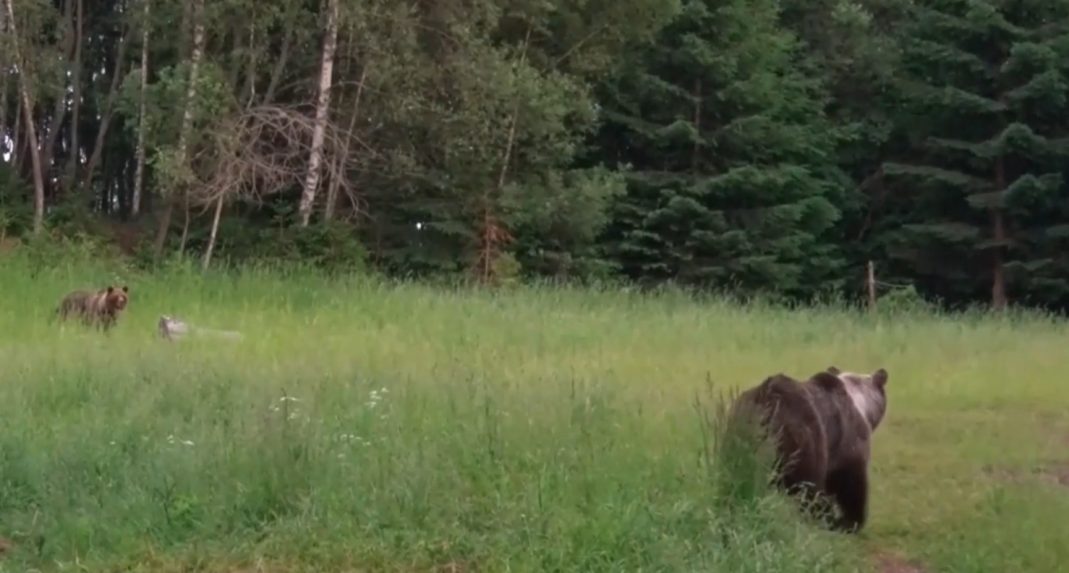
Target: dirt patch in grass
[(887, 562), (454, 567), (8, 244), (1056, 473), (6, 546)]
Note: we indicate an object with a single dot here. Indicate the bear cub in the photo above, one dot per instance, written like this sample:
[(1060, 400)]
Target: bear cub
[(822, 431)]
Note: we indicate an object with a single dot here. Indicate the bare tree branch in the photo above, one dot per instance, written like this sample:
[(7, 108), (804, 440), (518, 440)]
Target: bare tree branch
[(262, 151)]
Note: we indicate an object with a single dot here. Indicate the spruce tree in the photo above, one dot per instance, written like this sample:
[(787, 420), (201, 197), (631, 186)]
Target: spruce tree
[(731, 179), (981, 203)]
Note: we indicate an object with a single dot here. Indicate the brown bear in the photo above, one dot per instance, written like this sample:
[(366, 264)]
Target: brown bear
[(821, 430), (101, 308)]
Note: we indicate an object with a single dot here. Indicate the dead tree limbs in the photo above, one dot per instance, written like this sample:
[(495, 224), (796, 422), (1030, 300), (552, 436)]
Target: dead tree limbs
[(262, 151)]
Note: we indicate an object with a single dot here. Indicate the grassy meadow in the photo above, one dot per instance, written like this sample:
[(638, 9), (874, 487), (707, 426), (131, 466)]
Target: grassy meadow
[(361, 426)]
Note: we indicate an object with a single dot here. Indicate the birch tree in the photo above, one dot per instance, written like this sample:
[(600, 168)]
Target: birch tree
[(59, 103), (31, 132), (187, 120), (76, 82), (139, 173), (315, 158)]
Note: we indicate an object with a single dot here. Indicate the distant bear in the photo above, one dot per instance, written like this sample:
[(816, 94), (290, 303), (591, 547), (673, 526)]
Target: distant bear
[(822, 429), (101, 308)]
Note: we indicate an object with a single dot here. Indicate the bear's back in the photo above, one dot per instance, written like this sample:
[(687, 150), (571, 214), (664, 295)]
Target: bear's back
[(846, 431)]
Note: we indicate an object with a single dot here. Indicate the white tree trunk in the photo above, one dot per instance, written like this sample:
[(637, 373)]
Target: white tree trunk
[(75, 158), (59, 109), (16, 134), (315, 159), (215, 233), (194, 67), (31, 132), (139, 175), (3, 93), (332, 190), (187, 118)]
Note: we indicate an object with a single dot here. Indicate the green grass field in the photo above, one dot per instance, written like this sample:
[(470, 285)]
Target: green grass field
[(365, 427)]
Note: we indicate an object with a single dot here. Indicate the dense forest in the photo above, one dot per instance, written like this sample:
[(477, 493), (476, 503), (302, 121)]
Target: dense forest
[(752, 146)]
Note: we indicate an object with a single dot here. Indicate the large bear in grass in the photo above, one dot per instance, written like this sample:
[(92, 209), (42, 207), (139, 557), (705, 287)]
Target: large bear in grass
[(822, 430)]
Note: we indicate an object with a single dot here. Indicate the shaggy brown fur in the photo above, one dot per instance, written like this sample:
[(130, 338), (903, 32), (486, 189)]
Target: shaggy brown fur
[(822, 431), (101, 308)]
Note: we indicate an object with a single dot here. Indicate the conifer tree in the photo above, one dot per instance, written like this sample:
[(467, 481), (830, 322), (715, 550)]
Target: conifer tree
[(982, 197), (731, 177)]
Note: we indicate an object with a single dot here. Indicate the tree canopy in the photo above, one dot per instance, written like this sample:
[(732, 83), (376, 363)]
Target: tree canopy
[(753, 146)]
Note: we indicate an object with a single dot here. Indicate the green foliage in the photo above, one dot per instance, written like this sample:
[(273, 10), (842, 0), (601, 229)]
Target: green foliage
[(483, 129), (558, 219), (758, 146), (731, 181), (16, 213), (986, 110), (76, 250), (40, 30), (904, 300), (330, 247)]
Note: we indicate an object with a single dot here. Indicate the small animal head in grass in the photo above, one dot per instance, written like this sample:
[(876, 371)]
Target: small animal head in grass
[(116, 298)]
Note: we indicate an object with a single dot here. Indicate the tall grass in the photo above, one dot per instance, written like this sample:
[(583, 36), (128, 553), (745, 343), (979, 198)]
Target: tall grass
[(360, 425)]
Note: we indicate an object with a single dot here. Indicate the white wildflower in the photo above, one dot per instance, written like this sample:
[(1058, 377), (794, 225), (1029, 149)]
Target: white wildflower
[(374, 397)]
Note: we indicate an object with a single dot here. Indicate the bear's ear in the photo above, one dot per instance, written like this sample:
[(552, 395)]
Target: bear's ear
[(125, 288), (879, 378), (826, 380), (834, 370), (111, 289)]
